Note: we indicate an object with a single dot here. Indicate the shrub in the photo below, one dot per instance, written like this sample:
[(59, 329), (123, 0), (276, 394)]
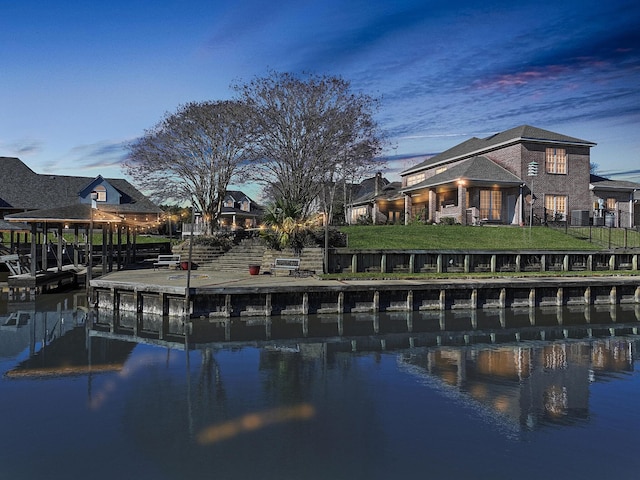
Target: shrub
[(220, 239), (448, 221)]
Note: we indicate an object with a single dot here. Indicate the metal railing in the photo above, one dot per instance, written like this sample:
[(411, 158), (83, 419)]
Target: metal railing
[(604, 237)]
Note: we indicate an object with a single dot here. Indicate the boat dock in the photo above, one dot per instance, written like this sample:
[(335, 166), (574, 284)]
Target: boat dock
[(215, 294)]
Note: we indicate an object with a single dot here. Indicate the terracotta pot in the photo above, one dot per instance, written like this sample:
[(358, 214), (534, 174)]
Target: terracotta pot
[(254, 269)]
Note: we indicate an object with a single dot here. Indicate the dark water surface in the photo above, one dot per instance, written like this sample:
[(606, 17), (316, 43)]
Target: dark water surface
[(525, 394)]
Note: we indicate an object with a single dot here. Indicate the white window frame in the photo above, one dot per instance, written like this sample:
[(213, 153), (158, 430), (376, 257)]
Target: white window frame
[(101, 192)]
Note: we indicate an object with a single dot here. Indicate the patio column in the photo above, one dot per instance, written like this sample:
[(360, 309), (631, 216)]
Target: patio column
[(462, 202), (432, 205), (407, 208)]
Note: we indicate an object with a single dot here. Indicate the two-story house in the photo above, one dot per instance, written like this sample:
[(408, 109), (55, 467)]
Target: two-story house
[(239, 211), (500, 178)]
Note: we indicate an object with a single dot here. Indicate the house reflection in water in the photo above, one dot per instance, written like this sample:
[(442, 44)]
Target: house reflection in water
[(525, 385), (541, 373)]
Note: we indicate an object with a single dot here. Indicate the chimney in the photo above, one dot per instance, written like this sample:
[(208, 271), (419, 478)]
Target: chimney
[(377, 183)]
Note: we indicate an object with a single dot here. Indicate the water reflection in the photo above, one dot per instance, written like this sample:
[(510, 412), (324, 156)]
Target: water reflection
[(201, 393), (510, 362)]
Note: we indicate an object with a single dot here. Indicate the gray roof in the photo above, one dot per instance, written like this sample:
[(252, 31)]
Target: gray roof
[(478, 170), (367, 189), (23, 189), (476, 146), (602, 183)]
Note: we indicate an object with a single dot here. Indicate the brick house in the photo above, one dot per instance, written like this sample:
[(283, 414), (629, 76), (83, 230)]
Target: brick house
[(488, 179)]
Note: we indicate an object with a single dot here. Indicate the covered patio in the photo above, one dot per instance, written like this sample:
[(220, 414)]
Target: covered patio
[(472, 192)]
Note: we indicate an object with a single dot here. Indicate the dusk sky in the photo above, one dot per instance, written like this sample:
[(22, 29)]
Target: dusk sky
[(80, 79)]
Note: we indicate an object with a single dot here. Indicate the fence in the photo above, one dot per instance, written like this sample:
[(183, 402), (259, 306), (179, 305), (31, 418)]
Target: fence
[(604, 237)]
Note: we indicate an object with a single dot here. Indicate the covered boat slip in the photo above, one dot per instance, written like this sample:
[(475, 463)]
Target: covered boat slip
[(52, 260)]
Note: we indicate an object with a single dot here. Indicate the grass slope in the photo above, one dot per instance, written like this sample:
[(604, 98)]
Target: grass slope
[(457, 237)]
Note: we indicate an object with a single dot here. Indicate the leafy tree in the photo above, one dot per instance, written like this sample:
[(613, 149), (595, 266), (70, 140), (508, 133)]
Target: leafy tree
[(193, 155), (308, 133)]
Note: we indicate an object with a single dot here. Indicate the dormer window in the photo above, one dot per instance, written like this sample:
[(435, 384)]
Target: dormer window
[(244, 205), (228, 202), (102, 193)]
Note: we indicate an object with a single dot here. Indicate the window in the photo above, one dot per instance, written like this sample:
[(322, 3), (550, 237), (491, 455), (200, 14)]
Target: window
[(556, 206), (440, 170), (358, 213), (611, 203), (102, 193), (244, 205), (556, 161), (413, 179), (490, 204), (228, 202)]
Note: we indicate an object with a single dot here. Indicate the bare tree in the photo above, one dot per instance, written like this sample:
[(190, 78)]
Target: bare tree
[(308, 131), (193, 155)]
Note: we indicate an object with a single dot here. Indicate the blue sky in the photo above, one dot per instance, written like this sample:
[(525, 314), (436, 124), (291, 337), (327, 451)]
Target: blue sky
[(80, 79)]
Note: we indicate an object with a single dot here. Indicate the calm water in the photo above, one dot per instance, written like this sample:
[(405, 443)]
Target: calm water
[(500, 395)]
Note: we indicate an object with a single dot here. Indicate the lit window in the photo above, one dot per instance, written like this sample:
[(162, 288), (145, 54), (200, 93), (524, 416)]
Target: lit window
[(228, 203), (244, 206), (611, 203), (413, 179), (357, 213), (440, 170), (556, 206), (556, 160), (490, 204)]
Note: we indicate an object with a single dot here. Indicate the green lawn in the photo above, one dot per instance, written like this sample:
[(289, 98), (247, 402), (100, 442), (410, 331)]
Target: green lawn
[(457, 237)]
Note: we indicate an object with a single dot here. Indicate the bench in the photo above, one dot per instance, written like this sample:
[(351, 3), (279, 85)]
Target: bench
[(287, 264), (167, 260)]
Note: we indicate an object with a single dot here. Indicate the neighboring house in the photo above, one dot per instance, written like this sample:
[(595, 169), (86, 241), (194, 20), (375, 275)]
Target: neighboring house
[(486, 179), (57, 196), (376, 200), (616, 203), (239, 211)]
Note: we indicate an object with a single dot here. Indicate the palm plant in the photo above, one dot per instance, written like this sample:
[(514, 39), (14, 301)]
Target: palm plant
[(286, 223)]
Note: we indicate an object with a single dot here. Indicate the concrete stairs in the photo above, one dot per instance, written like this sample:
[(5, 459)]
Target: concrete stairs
[(310, 259), (238, 259), (201, 255), (248, 252)]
